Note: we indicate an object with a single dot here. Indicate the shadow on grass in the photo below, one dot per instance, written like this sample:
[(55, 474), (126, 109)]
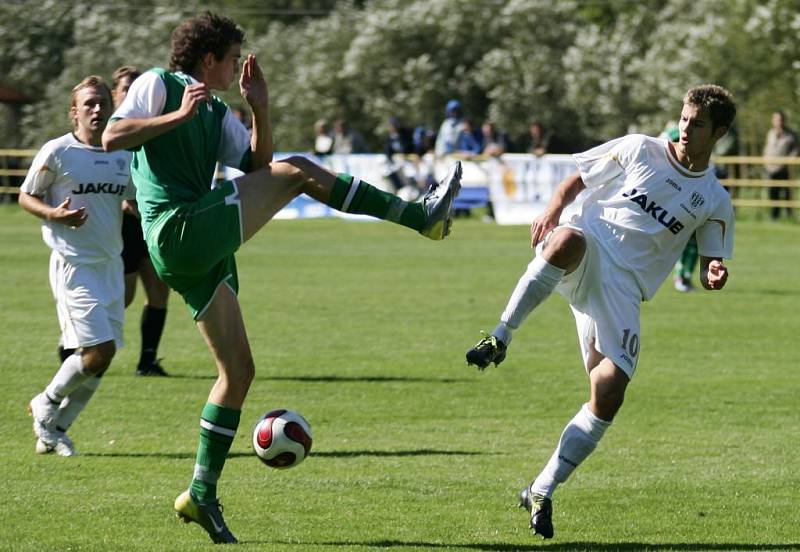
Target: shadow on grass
[(593, 546), (396, 453), (334, 379), (776, 292), (321, 454)]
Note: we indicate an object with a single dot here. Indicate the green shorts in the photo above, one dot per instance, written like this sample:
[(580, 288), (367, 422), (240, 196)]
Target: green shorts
[(192, 246)]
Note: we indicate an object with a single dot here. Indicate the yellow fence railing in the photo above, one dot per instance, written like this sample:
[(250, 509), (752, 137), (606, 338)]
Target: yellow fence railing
[(744, 177)]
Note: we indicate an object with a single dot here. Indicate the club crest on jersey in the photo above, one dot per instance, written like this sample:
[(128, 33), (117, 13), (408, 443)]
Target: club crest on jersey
[(121, 164), (696, 200), (658, 213)]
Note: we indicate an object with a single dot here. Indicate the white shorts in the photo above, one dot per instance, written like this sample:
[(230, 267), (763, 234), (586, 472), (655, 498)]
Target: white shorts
[(90, 301), (605, 301)]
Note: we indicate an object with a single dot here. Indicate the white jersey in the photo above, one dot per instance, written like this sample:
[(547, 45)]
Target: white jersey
[(644, 207), (91, 178)]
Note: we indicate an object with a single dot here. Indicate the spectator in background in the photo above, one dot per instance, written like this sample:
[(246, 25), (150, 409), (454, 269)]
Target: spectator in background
[(467, 143), (399, 141), (137, 264), (540, 139), (545, 141), (725, 146), (781, 142), (347, 140), (424, 140), (495, 143), (323, 141), (448, 131)]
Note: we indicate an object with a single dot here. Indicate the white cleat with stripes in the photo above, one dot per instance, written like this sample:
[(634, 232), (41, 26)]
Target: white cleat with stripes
[(438, 204)]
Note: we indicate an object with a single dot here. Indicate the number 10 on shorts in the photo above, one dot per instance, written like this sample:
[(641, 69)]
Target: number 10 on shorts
[(630, 342)]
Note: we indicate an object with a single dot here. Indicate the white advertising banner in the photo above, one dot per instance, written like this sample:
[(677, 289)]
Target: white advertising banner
[(521, 185), (518, 185)]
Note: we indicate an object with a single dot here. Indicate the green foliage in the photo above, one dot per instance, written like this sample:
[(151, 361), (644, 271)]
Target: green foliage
[(589, 70), (362, 327)]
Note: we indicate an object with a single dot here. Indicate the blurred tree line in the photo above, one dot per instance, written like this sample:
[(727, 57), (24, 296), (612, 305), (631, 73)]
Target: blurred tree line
[(588, 69)]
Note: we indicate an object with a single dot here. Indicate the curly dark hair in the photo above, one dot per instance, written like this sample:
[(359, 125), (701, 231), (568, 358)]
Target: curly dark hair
[(714, 99), (196, 37)]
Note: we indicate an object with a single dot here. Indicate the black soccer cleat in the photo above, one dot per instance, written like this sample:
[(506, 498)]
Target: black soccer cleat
[(151, 369), (488, 350), (541, 510)]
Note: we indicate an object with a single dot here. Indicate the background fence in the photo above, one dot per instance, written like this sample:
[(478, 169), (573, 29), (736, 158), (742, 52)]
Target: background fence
[(743, 176)]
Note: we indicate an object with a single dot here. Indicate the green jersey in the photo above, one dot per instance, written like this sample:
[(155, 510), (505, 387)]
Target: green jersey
[(192, 230), (178, 166)]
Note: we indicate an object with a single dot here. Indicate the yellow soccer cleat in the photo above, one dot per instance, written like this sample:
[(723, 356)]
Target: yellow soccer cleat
[(208, 516)]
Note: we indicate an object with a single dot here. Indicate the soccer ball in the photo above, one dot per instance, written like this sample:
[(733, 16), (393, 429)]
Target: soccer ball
[(282, 438)]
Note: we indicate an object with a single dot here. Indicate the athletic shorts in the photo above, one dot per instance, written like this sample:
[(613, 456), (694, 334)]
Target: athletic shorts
[(192, 246), (134, 248), (605, 301), (90, 301)]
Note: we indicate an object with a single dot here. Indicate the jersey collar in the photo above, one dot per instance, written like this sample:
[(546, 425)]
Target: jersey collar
[(683, 171)]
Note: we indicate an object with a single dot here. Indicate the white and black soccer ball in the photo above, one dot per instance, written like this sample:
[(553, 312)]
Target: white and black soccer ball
[(282, 438)]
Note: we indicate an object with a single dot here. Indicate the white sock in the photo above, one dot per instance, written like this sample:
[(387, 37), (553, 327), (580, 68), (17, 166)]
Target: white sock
[(535, 285), (578, 440), (68, 378), (75, 402)]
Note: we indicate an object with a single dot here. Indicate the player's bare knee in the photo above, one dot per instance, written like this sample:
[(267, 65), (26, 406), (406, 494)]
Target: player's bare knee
[(97, 358), (608, 383), (565, 248)]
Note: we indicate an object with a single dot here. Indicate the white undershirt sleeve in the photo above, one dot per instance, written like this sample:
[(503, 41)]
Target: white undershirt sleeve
[(146, 98), (235, 141)]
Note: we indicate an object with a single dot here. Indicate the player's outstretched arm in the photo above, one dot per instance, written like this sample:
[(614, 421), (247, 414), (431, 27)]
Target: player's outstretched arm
[(60, 213), (564, 194), (713, 274), (131, 133), (254, 89)]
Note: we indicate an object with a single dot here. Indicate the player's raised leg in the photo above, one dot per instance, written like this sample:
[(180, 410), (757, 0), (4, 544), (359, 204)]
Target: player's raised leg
[(266, 191), (223, 329), (562, 253)]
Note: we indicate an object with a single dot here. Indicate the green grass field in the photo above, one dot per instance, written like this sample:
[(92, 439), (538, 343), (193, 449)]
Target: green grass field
[(362, 327)]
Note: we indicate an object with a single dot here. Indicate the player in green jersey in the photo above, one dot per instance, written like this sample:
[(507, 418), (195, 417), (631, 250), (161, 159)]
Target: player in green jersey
[(178, 130)]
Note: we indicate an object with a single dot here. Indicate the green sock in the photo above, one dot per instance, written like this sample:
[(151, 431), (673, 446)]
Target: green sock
[(217, 428), (352, 195), (688, 260)]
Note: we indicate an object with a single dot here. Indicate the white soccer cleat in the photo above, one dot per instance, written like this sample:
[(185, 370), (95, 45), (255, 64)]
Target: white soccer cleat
[(63, 447), (44, 414), (438, 204), (43, 448)]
